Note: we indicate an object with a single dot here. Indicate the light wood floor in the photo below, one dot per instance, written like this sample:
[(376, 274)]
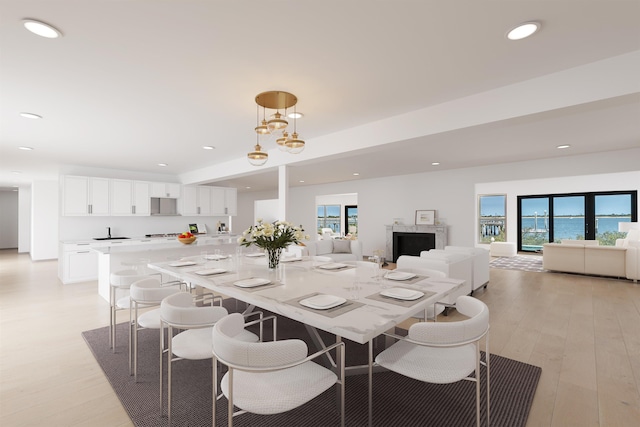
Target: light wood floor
[(583, 331)]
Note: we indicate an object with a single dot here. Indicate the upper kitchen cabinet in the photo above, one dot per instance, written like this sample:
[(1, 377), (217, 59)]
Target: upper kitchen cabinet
[(224, 201), (196, 200), (130, 198), (166, 190), (82, 196)]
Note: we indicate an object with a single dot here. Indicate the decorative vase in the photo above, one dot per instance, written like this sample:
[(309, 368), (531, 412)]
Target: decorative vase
[(273, 256)]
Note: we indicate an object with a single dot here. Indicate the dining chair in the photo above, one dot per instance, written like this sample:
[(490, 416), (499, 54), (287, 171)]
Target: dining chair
[(269, 377), (145, 293), (120, 281), (444, 352), (180, 312)]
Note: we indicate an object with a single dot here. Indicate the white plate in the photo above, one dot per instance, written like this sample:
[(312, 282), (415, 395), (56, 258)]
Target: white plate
[(215, 257), (332, 266), (182, 263), (210, 271), (323, 302), (252, 283), (399, 275), (290, 259), (402, 293), (255, 254)]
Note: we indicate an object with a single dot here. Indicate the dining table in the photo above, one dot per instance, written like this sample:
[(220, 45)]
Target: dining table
[(357, 301)]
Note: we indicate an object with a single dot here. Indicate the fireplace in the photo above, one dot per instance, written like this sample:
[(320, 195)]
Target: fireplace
[(412, 243), (437, 239)]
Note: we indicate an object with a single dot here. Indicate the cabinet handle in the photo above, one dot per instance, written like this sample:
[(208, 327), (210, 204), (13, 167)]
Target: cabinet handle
[(168, 194), (226, 210), (83, 252), (133, 210), (83, 244), (198, 210)]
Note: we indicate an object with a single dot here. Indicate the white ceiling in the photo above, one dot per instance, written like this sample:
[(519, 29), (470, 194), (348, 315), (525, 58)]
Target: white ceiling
[(135, 83)]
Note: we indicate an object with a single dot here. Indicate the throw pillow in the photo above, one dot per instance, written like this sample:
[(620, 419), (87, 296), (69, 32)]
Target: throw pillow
[(341, 246)]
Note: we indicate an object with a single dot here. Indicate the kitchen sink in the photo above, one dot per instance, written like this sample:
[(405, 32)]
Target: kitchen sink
[(110, 238)]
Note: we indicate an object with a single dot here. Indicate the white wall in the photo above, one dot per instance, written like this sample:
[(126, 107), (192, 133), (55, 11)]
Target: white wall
[(8, 219), (452, 193), (44, 220), (24, 219)]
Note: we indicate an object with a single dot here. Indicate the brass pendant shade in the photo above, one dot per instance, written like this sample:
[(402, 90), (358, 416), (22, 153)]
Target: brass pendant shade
[(276, 125)]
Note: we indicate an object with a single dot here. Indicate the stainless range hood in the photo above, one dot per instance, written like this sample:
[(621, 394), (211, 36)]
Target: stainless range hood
[(164, 206)]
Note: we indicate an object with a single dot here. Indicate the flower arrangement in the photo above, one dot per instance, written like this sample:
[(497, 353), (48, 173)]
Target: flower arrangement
[(272, 237)]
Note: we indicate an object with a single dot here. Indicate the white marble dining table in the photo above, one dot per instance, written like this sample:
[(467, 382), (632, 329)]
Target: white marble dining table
[(363, 316)]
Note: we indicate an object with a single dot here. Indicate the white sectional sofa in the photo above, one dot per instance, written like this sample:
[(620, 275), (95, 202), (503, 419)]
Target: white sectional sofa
[(588, 257), (339, 250), (480, 258)]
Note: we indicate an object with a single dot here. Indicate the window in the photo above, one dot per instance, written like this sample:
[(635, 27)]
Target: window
[(493, 218), (351, 216), (329, 217), (576, 216)]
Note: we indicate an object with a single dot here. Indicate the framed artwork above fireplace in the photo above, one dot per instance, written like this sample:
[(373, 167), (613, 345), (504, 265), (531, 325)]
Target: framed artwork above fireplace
[(427, 217)]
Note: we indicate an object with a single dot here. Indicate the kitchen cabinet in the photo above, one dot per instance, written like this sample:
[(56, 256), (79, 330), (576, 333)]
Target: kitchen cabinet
[(130, 198), (196, 200), (165, 189), (83, 196), (224, 201), (78, 263)]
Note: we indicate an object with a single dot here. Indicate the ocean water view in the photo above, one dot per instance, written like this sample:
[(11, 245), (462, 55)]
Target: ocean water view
[(571, 227)]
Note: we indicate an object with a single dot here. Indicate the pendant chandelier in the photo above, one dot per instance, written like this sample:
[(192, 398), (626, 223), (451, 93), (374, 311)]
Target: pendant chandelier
[(276, 125)]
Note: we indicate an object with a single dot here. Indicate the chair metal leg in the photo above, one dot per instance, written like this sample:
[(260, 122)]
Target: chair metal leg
[(477, 374), (230, 399), (161, 368), (214, 392), (370, 382), (169, 363)]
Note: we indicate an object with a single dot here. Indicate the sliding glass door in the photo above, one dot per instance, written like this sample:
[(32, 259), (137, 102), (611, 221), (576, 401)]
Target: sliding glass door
[(582, 216)]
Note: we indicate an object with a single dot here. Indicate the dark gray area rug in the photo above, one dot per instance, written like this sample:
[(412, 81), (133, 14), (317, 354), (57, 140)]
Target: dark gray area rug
[(398, 401), (519, 262)]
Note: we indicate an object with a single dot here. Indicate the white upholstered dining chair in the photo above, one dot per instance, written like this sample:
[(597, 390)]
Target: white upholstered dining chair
[(119, 283), (180, 312), (145, 293), (444, 352), (269, 377)]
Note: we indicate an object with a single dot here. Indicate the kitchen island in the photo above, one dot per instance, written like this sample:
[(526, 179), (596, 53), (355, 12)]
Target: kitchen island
[(136, 255)]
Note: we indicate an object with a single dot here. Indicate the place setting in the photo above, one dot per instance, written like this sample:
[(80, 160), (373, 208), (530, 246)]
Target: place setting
[(325, 304), (402, 296), (254, 284)]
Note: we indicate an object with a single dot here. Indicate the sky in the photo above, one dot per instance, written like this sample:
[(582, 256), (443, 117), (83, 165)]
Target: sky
[(574, 205)]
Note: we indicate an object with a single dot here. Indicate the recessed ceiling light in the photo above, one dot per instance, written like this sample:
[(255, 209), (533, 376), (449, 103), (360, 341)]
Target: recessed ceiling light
[(25, 148), (523, 30), (208, 147), (295, 115), (248, 188), (563, 146), (301, 181), (435, 163), (30, 116), (162, 164), (16, 172), (356, 174), (42, 29)]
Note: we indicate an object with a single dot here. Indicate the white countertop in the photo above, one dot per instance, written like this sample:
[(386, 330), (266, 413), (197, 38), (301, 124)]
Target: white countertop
[(145, 239)]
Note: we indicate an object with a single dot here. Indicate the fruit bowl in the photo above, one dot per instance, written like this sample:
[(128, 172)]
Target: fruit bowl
[(187, 240)]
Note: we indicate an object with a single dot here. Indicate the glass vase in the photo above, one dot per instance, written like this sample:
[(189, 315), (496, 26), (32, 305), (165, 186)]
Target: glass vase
[(273, 257)]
